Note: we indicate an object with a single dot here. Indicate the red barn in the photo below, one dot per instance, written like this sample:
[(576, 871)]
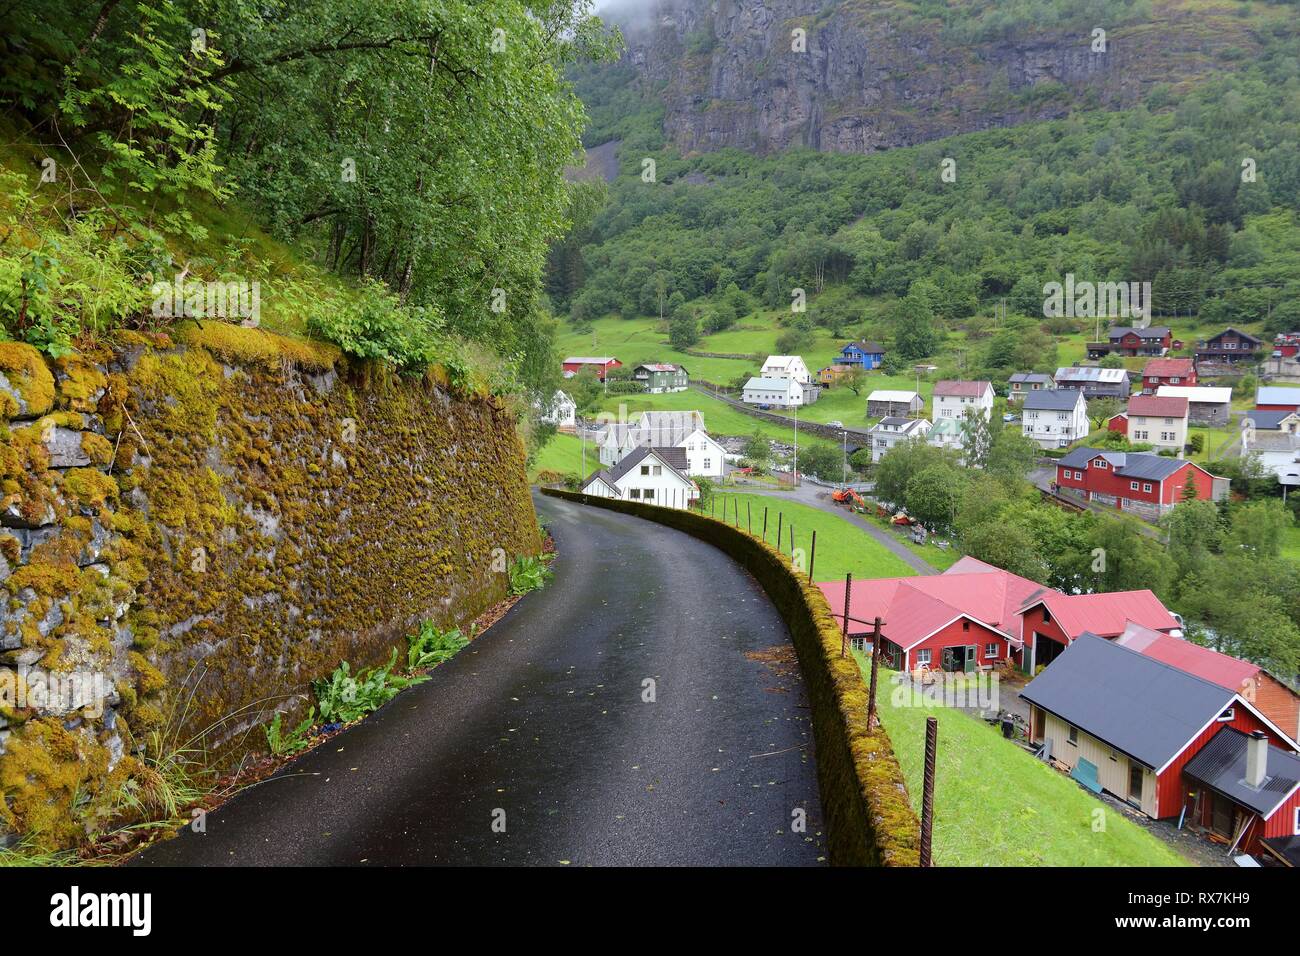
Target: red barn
[(1167, 742), (602, 364), (1052, 621), (1147, 485), (1168, 371)]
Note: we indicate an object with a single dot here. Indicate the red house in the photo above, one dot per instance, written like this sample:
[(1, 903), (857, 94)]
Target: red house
[(1167, 371), (602, 364), (1123, 340), (1270, 696), (1147, 485), (964, 619), (1168, 742)]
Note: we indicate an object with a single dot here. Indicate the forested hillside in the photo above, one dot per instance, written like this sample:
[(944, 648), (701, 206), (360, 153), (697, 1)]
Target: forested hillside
[(1194, 188)]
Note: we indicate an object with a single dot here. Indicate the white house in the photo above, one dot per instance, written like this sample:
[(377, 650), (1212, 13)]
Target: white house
[(561, 411), (786, 366), (704, 456), (953, 398), (650, 475), (617, 442), (1158, 420), (781, 392), (1055, 417), (888, 432), (947, 433)]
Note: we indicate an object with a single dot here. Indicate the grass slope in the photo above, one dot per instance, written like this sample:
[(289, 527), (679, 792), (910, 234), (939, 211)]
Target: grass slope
[(995, 805), (840, 546)]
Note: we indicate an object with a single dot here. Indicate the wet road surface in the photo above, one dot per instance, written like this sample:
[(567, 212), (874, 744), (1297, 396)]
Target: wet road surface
[(541, 725)]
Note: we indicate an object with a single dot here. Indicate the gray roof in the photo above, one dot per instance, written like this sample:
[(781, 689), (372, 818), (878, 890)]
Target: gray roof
[(661, 429), (1221, 765), (1277, 395), (1092, 373), (1052, 399), (675, 457), (1134, 703), (1126, 464), (1030, 377), (1267, 420)]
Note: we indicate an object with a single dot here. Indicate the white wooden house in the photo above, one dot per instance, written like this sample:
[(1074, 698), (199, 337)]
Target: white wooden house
[(953, 398), (704, 456), (654, 476), (1055, 417), (786, 366)]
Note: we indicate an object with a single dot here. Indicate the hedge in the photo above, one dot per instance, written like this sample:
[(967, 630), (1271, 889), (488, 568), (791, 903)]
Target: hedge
[(869, 821)]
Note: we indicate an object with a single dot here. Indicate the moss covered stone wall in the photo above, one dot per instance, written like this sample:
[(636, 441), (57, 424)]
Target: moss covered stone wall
[(195, 527)]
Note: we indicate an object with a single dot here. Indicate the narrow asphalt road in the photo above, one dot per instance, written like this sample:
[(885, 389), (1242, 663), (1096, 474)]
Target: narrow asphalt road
[(542, 724)]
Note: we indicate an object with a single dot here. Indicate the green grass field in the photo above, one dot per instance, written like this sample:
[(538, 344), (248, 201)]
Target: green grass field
[(995, 805), (840, 546)]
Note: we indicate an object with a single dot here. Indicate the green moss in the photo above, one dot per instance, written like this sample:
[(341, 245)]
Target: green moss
[(246, 346), (90, 488), (30, 377)]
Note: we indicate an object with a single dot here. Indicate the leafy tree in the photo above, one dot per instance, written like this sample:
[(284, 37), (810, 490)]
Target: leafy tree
[(933, 494), (1101, 410)]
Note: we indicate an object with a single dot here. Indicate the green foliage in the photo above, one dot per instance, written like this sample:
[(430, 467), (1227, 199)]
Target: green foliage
[(528, 573), (344, 698), (295, 741), (431, 646)]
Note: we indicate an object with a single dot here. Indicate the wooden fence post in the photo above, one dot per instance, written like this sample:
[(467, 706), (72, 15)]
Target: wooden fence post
[(875, 671), (812, 555), (927, 797), (765, 524), (844, 629), (749, 516), (779, 516)]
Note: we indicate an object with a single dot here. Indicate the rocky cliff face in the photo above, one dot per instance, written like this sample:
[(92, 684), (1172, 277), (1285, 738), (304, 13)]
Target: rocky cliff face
[(865, 76)]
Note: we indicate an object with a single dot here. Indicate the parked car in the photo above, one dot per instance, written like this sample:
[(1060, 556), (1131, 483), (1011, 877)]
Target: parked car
[(766, 408), (835, 424), (1008, 418)]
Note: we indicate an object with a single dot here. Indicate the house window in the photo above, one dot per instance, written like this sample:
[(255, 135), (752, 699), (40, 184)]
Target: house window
[(1146, 486), (635, 494), (923, 657), (1047, 616), (1133, 486), (991, 650), (1074, 736), (1100, 463), (645, 469), (1227, 715), (1296, 828), (706, 464), (965, 625)]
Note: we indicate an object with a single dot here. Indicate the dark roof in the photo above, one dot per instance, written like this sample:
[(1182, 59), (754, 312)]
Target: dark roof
[(1266, 420), (1244, 335), (1154, 332), (1134, 703), (1052, 399), (871, 348), (676, 457), (1126, 464), (1030, 377), (1221, 765)]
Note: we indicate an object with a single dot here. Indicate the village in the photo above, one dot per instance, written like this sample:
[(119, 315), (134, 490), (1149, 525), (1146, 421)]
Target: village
[(1107, 688)]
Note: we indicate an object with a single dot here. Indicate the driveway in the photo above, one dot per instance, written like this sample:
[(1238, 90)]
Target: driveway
[(544, 726)]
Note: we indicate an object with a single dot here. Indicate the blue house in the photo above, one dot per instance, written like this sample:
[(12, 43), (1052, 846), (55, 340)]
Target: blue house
[(862, 354)]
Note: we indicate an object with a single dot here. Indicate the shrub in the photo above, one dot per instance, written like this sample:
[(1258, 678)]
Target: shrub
[(344, 698), (431, 646), (528, 574)]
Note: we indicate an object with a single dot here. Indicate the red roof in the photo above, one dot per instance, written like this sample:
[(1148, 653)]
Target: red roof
[(1106, 615), (1168, 367), (914, 608), (1190, 658), (1159, 406), (955, 389)]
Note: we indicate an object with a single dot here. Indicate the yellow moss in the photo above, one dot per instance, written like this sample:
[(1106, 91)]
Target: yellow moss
[(257, 346), (80, 382), (98, 448), (29, 375), (47, 580), (90, 488), (45, 769)]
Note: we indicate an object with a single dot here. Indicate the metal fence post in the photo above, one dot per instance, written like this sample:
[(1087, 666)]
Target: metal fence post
[(927, 798), (812, 555), (844, 628)]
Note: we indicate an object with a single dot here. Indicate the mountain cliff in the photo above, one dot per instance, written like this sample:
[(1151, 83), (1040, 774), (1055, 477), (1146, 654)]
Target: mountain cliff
[(864, 76)]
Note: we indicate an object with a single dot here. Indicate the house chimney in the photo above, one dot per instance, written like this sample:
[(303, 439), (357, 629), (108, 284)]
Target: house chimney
[(1256, 759)]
